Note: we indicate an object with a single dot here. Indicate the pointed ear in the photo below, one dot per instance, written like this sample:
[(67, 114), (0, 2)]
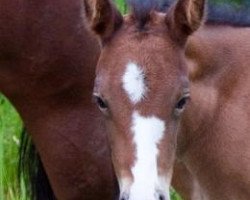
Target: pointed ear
[(185, 17), (103, 18)]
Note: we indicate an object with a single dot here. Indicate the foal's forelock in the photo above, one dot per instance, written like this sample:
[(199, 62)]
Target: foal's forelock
[(141, 10)]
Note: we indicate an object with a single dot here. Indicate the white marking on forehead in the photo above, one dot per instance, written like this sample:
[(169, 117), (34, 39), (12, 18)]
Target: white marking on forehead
[(148, 132), (133, 82)]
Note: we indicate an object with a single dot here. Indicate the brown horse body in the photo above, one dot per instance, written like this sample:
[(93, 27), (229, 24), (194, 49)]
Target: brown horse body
[(47, 64), (214, 137), (143, 93)]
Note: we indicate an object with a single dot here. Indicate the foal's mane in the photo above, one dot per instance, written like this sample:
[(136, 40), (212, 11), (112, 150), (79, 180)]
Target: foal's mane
[(141, 10), (31, 169), (220, 14)]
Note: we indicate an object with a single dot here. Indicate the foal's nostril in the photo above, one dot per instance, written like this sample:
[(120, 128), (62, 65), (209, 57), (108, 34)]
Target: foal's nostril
[(162, 197), (124, 196)]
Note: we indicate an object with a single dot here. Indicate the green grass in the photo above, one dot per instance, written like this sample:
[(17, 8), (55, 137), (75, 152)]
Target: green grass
[(174, 195), (10, 128), (121, 5)]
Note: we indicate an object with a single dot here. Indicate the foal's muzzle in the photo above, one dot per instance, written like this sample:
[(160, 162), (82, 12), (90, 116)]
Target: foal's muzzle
[(158, 196)]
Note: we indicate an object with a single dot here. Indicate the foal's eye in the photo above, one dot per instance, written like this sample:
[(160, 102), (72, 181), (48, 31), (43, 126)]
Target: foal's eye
[(181, 104), (100, 102)]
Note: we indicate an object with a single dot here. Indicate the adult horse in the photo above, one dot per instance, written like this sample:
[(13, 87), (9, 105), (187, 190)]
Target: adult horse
[(151, 65), (47, 63)]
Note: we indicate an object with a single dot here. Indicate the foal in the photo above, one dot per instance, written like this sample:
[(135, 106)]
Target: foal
[(151, 65)]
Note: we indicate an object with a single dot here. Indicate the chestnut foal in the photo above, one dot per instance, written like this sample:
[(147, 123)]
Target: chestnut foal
[(151, 65)]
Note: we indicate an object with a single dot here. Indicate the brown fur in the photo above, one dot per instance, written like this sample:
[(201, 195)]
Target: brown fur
[(104, 18), (42, 42), (217, 154), (184, 18), (47, 63)]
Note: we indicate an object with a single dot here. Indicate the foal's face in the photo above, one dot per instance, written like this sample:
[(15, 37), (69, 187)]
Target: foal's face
[(141, 87)]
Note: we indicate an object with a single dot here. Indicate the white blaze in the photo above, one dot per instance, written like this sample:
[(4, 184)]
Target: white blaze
[(148, 132), (133, 82)]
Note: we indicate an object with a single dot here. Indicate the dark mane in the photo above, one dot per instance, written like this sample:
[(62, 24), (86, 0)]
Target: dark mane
[(30, 167), (141, 10), (222, 13)]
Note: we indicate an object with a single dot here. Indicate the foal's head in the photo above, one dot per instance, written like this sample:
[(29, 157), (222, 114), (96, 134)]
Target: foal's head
[(142, 88)]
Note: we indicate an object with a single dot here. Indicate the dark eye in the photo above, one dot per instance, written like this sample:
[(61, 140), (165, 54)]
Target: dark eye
[(100, 102), (181, 103)]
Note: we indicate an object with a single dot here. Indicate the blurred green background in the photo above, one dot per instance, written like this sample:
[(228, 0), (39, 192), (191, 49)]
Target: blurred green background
[(11, 126)]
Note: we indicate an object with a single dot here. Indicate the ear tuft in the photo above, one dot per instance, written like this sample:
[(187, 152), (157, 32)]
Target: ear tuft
[(185, 17), (103, 18)]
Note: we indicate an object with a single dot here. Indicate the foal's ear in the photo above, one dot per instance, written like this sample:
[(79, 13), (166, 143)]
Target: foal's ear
[(103, 18), (185, 17)]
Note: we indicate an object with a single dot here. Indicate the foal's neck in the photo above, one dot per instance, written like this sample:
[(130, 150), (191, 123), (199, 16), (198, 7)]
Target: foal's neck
[(215, 126), (217, 58)]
